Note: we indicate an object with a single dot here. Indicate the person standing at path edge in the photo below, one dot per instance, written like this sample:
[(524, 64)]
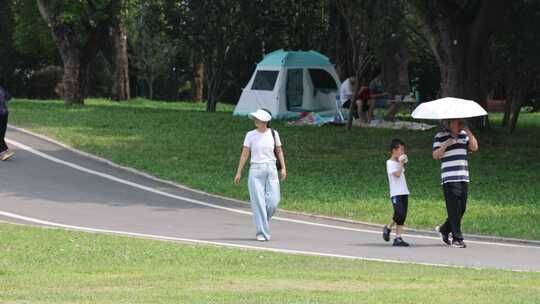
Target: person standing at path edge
[(267, 158), (5, 153), (451, 146)]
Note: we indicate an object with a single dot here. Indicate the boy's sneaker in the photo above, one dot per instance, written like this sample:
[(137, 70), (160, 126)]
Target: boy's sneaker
[(399, 242), (445, 237), (458, 244), (386, 233), (6, 155)]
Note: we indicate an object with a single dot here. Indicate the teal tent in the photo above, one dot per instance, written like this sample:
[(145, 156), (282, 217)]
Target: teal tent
[(288, 83)]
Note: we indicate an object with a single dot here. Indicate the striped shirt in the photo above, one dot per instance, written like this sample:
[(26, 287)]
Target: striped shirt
[(454, 164)]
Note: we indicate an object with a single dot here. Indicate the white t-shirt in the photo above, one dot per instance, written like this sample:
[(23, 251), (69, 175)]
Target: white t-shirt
[(345, 91), (398, 185), (261, 146)]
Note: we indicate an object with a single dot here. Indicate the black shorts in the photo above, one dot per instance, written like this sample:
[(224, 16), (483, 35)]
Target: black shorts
[(400, 204)]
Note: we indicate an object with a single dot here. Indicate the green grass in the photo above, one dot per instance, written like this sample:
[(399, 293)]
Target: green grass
[(55, 266), (332, 171)]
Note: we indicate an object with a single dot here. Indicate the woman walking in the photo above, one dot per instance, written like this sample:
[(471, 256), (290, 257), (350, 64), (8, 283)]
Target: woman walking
[(264, 145), (5, 153)]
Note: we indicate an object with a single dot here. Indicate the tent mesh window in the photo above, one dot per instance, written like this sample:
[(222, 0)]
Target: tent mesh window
[(322, 79), (265, 80), (295, 88)]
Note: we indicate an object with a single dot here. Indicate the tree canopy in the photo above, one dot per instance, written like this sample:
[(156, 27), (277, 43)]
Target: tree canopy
[(206, 50)]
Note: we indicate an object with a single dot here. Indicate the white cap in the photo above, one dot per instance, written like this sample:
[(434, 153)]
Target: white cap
[(261, 115)]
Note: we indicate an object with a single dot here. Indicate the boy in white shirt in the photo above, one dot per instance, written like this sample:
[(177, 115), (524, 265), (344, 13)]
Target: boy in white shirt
[(399, 193)]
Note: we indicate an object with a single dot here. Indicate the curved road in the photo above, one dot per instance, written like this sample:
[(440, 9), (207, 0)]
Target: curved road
[(48, 185)]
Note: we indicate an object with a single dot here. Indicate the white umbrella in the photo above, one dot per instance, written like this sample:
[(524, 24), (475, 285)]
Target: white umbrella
[(448, 108)]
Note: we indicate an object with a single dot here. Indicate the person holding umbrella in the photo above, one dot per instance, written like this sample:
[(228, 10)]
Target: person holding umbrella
[(451, 146)]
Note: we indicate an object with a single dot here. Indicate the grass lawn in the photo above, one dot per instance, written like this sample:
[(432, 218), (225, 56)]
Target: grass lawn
[(55, 266), (332, 171)]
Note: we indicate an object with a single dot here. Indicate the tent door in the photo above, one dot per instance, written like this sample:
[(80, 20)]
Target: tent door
[(295, 88)]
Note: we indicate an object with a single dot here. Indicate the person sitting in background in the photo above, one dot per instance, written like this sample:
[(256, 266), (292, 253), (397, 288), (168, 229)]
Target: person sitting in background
[(378, 96), (364, 102), (346, 92)]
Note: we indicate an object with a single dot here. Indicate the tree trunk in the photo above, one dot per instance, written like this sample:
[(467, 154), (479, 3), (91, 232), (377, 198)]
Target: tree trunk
[(211, 101), (150, 84), (459, 39), (516, 94), (197, 88), (76, 52), (120, 65), (517, 101), (394, 67), (461, 64), (198, 81), (215, 66), (354, 56), (344, 66), (211, 104), (75, 79), (507, 112)]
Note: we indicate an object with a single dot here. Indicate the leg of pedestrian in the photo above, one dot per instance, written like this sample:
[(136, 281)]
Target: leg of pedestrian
[(256, 185), (3, 126), (272, 195), (462, 205), (452, 194), (400, 215)]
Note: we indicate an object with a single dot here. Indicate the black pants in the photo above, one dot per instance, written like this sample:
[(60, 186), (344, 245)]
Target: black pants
[(400, 204), (455, 195), (3, 126)]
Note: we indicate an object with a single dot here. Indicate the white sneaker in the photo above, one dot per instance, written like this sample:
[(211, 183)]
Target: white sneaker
[(6, 155), (261, 238)]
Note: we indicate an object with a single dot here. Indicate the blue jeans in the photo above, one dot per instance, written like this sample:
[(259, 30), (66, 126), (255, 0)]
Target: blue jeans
[(263, 185)]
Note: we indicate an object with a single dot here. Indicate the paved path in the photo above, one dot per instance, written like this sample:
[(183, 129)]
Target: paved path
[(48, 185)]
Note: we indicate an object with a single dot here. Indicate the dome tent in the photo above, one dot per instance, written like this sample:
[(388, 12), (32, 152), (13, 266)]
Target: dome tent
[(288, 83)]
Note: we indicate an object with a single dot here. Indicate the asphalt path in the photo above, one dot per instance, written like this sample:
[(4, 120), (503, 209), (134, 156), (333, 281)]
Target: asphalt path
[(47, 184)]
